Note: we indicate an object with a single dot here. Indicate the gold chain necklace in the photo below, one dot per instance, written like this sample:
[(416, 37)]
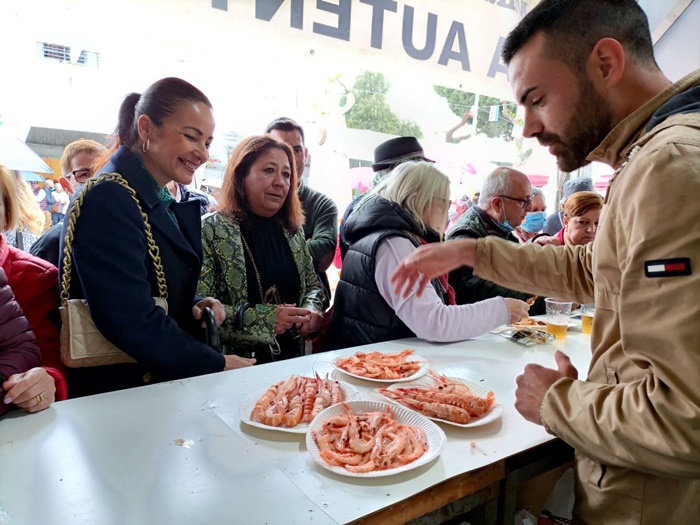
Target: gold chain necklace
[(275, 349)]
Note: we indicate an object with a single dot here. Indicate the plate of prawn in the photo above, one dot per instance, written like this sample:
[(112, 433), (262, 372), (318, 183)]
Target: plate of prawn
[(387, 366), (367, 439), (291, 404), (450, 400)]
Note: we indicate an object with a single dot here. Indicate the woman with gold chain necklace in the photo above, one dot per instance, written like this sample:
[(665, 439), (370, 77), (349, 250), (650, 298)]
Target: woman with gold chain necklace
[(255, 257)]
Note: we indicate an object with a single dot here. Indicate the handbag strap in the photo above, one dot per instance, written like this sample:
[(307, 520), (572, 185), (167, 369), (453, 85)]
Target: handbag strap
[(73, 215)]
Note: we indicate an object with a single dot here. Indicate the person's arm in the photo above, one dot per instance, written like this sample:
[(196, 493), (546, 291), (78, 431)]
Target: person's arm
[(651, 424), (564, 272), (19, 351), (470, 288), (325, 233), (427, 316), (244, 323), (43, 307), (110, 257)]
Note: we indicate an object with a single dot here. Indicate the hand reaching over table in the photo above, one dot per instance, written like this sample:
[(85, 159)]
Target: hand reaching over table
[(431, 261)]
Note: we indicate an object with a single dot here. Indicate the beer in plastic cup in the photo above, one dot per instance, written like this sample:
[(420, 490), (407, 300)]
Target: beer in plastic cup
[(587, 313), (558, 313)]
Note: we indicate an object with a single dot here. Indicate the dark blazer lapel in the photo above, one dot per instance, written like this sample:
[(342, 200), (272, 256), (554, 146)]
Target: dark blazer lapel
[(189, 218), (130, 167)]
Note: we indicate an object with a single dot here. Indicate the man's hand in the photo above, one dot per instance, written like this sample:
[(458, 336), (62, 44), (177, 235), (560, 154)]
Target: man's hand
[(534, 382), (431, 261)]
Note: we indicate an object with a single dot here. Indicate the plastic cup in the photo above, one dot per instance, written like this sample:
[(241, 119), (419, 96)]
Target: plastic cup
[(587, 313), (558, 314)]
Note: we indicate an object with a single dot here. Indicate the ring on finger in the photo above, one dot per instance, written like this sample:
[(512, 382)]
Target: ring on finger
[(40, 399)]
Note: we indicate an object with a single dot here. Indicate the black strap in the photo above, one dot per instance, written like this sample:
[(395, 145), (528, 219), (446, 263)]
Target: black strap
[(239, 315)]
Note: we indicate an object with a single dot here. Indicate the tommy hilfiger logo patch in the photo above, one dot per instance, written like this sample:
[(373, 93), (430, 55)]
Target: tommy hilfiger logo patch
[(667, 267)]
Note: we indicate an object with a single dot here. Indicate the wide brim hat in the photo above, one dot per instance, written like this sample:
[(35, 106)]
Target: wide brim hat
[(395, 151)]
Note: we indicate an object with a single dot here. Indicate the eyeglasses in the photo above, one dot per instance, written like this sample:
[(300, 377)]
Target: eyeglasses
[(525, 203), (81, 175)]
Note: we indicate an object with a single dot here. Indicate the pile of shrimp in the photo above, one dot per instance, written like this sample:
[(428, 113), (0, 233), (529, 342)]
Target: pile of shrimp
[(376, 365), (368, 441), (295, 400), (444, 399)]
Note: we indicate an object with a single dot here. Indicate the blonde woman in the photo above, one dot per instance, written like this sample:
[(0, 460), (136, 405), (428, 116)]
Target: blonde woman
[(405, 211), (30, 218)]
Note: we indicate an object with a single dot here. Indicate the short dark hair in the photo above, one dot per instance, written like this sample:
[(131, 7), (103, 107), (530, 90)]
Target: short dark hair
[(286, 124), (232, 199), (573, 27)]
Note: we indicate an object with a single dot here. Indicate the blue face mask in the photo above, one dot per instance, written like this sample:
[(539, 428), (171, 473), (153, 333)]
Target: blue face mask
[(534, 221), (505, 225)]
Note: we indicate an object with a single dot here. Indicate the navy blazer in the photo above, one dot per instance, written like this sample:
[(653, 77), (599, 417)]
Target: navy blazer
[(114, 272)]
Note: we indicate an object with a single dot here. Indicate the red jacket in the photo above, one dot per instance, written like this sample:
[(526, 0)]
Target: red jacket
[(35, 285)]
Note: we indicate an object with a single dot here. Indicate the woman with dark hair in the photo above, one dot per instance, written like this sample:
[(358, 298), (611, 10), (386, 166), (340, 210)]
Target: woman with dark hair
[(255, 257), (162, 135)]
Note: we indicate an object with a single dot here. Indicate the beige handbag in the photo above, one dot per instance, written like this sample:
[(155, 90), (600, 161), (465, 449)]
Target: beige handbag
[(82, 344)]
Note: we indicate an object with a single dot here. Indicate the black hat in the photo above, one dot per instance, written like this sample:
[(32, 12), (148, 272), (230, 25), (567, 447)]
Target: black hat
[(395, 151)]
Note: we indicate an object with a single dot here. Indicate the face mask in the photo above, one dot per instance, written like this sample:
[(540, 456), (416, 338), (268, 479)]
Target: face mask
[(534, 221), (505, 224)]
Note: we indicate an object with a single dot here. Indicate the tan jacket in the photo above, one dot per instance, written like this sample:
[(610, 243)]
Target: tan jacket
[(635, 422)]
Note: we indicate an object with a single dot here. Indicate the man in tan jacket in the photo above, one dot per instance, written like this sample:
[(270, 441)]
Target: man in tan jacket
[(585, 73)]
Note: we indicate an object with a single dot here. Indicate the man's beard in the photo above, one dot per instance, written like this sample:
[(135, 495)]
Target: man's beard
[(589, 125)]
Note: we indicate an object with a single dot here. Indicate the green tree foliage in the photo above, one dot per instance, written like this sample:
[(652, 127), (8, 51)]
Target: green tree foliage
[(371, 110), (461, 104)]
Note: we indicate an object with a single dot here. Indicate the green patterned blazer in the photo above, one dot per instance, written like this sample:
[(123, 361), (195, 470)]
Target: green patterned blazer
[(224, 278)]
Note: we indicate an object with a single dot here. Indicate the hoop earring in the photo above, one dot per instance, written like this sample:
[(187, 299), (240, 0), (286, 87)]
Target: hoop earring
[(146, 145)]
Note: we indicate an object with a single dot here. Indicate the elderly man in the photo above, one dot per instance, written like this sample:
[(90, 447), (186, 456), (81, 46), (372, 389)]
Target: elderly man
[(321, 225), (505, 199), (387, 156), (592, 91)]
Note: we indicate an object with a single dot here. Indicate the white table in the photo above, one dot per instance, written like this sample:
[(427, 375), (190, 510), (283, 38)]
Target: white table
[(178, 452)]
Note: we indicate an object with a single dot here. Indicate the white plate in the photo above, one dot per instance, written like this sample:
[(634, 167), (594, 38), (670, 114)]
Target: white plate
[(435, 436), (412, 358), (495, 412), (248, 404)]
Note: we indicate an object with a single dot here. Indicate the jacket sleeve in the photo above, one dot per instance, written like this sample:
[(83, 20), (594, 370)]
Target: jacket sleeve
[(470, 288), (44, 306), (325, 234), (427, 316), (313, 295), (564, 272), (650, 425), (218, 271), (109, 256), (18, 349)]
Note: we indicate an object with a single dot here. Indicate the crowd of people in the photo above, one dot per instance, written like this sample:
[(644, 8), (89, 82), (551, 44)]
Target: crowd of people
[(257, 257)]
